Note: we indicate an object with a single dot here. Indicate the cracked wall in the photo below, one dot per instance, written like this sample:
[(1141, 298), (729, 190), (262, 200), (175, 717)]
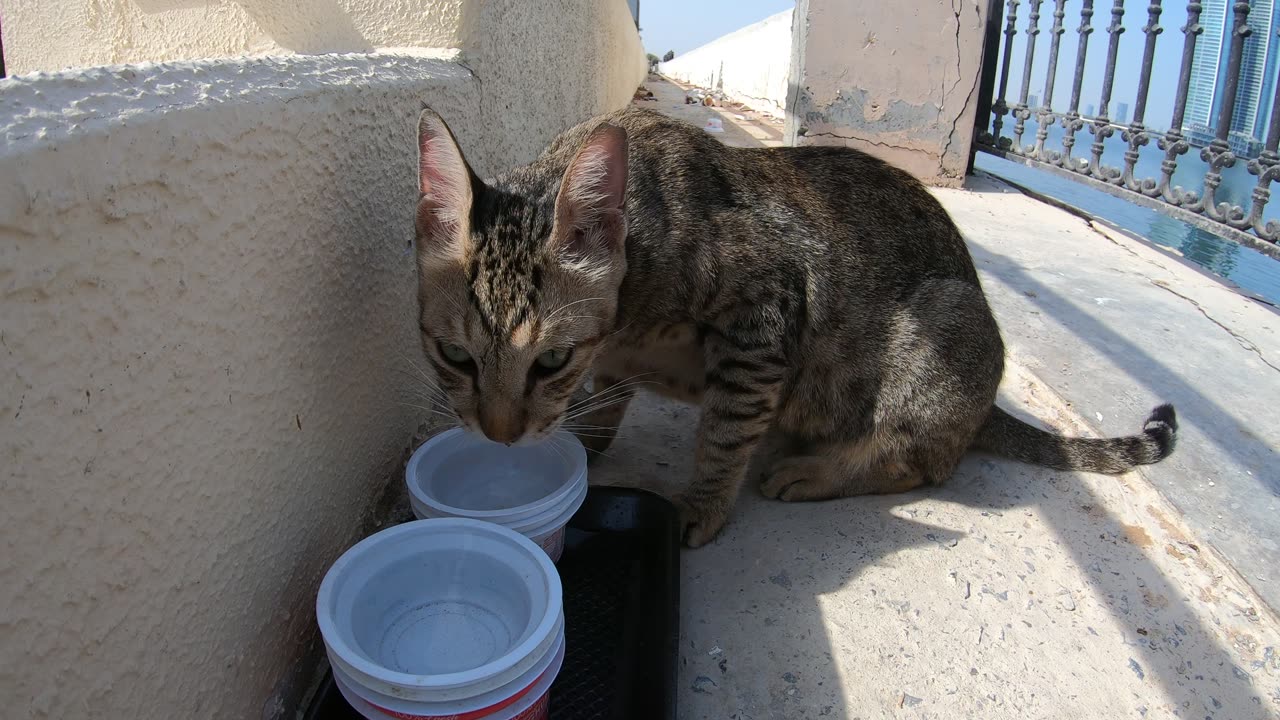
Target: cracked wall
[(896, 80)]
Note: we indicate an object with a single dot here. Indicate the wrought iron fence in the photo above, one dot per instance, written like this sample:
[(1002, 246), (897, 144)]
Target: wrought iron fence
[(1221, 149)]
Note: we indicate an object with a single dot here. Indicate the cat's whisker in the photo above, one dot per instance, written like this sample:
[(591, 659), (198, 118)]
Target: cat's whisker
[(601, 436), (552, 315), (420, 377), (555, 445), (585, 411), (568, 318), (589, 428), (577, 410), (448, 298), (576, 427), (433, 397), (598, 452), (624, 327), (620, 386), (599, 401), (421, 373), (433, 411), (594, 408)]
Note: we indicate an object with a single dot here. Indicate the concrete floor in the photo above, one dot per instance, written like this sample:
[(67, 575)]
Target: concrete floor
[(1013, 591)]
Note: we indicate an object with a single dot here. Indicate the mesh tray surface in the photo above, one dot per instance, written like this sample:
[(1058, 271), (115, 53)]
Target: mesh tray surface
[(621, 577)]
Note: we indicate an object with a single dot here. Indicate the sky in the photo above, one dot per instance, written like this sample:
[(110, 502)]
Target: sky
[(1165, 68), (683, 25)]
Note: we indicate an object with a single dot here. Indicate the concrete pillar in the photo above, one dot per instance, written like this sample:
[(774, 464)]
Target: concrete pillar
[(897, 80)]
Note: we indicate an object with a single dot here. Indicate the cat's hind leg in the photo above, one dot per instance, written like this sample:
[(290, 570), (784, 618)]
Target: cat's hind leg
[(834, 470)]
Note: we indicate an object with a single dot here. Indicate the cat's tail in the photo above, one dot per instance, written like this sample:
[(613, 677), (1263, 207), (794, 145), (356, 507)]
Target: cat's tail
[(1006, 435)]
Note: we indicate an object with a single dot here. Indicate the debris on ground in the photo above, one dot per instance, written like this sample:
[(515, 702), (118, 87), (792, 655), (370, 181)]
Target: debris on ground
[(703, 684), (709, 98)]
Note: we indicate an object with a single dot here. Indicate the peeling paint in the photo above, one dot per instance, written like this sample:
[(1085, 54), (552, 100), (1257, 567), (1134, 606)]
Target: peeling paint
[(907, 97)]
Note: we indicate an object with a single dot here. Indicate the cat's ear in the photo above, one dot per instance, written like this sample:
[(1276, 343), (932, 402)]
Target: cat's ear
[(445, 184), (590, 226)]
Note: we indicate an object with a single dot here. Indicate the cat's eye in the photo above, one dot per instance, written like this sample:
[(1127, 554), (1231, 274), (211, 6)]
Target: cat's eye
[(553, 360), (454, 354)]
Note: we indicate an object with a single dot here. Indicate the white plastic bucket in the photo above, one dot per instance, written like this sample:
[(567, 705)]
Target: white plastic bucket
[(439, 612), (533, 489), (531, 703)]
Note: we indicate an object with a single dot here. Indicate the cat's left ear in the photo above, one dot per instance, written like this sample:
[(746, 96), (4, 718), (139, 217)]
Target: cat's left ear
[(590, 226), (446, 186)]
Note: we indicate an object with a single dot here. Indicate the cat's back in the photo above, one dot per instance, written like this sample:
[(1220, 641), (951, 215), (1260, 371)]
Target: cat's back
[(686, 188)]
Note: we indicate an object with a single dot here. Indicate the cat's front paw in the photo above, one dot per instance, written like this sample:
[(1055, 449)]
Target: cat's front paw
[(701, 520)]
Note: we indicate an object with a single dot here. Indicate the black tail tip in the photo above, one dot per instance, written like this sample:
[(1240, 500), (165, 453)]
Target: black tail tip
[(1162, 426), (1166, 415)]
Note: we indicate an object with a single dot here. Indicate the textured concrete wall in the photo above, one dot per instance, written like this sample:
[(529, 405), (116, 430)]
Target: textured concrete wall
[(208, 322), (57, 34), (547, 65), (751, 65), (208, 299), (898, 80), (208, 309)]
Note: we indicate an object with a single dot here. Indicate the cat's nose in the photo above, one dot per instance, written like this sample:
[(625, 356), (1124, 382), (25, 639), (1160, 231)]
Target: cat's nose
[(501, 427)]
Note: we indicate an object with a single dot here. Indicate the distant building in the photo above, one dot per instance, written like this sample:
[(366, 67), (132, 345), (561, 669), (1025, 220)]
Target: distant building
[(1259, 66), (1088, 111), (1033, 101), (1122, 113)]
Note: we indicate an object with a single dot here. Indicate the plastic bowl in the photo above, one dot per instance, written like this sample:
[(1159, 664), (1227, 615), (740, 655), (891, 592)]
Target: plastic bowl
[(440, 610), (532, 489)]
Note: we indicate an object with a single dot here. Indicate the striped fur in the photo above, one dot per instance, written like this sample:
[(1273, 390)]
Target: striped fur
[(813, 292)]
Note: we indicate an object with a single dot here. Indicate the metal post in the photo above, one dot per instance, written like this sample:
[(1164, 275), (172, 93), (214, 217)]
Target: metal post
[(1218, 154), (1136, 134), (1173, 144), (1267, 168), (1001, 108), (986, 82), (1101, 127), (1072, 123), (1046, 116), (1021, 111)]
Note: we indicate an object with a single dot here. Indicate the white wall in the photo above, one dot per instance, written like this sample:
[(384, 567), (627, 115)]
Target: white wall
[(208, 310), (750, 65), (53, 35)]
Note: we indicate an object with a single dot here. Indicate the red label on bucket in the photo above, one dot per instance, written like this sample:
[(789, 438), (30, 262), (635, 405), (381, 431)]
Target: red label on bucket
[(528, 714), (536, 711), (553, 546)]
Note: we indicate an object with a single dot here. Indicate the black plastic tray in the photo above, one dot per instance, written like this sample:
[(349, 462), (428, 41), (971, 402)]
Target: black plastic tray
[(621, 577)]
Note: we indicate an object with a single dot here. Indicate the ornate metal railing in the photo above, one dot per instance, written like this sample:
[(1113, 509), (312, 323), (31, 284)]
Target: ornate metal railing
[(1200, 207)]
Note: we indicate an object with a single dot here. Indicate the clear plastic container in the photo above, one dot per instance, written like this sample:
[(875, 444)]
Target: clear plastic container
[(532, 489), (528, 700), (442, 613)]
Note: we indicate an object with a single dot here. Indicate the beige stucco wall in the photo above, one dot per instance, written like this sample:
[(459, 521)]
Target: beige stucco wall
[(207, 298), (57, 34), (573, 54), (208, 307), (751, 65), (898, 80)]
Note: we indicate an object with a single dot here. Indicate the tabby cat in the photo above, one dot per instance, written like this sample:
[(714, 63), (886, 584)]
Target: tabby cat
[(814, 291)]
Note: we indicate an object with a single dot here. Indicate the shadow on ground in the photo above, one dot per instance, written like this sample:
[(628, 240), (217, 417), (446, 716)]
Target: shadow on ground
[(1009, 591)]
